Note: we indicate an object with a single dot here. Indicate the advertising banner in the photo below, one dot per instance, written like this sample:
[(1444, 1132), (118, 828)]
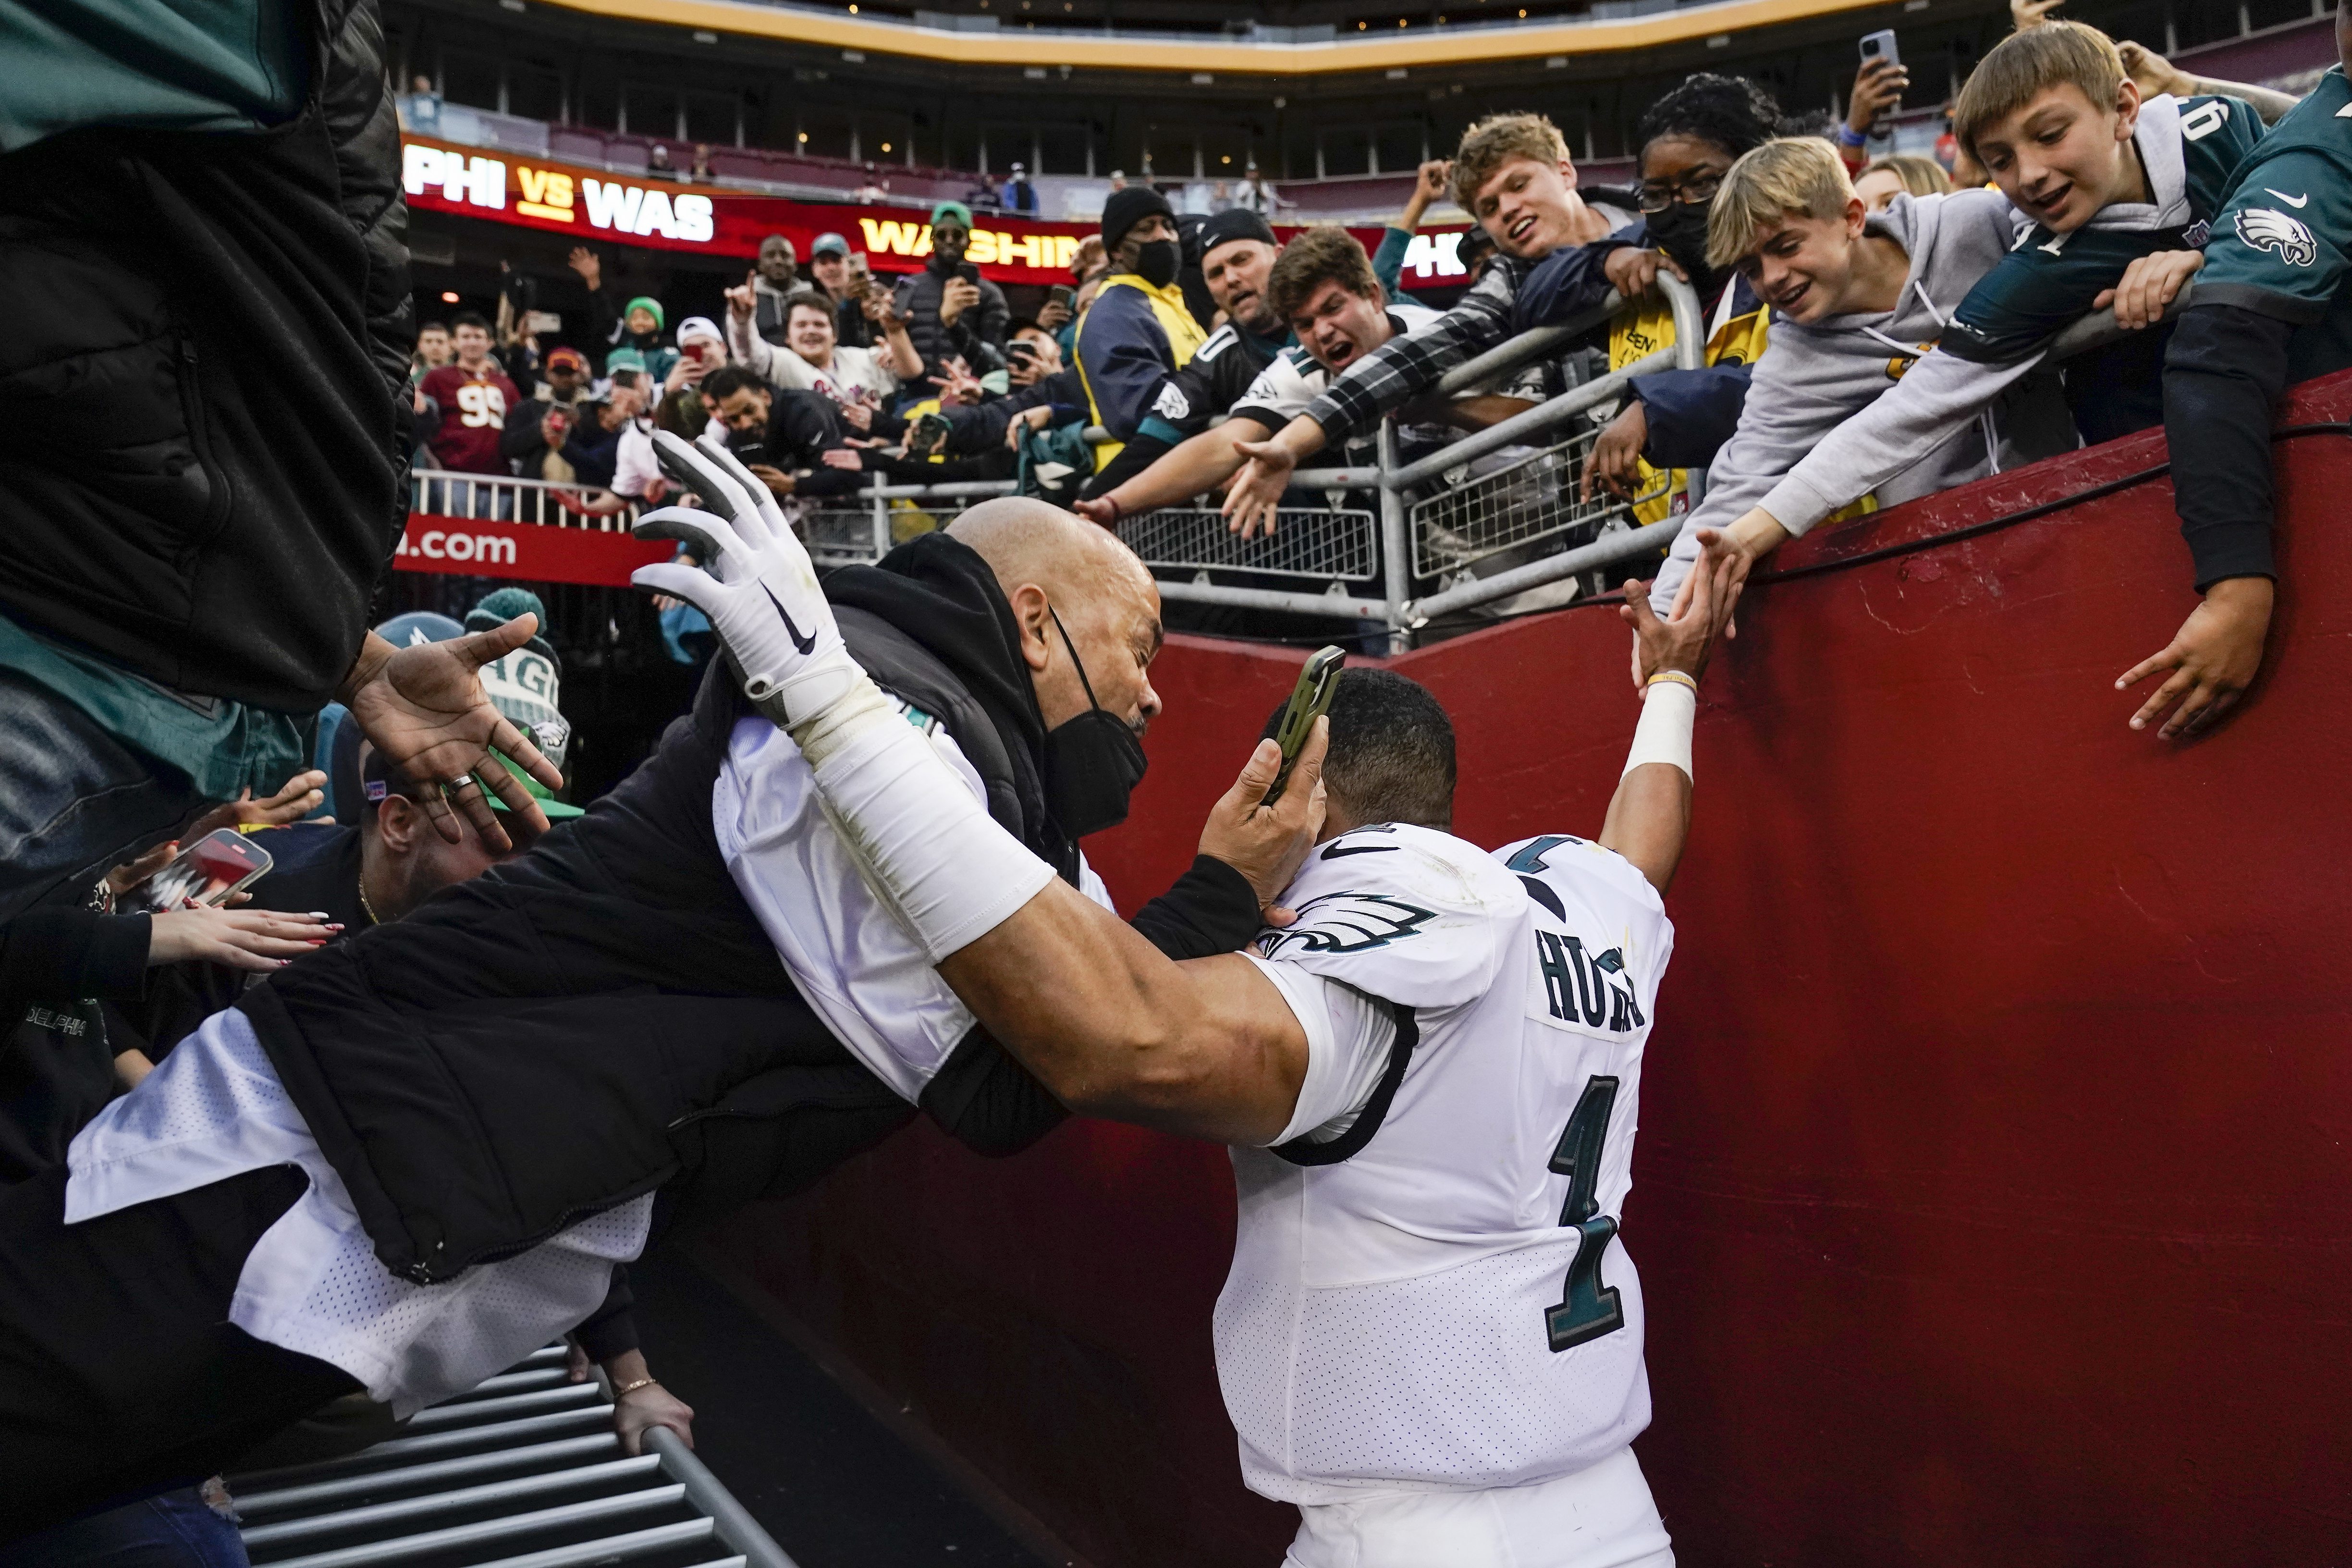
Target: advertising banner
[(634, 209), (523, 551)]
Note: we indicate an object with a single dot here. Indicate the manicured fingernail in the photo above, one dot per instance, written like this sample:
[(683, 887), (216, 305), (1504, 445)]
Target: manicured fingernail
[(320, 915)]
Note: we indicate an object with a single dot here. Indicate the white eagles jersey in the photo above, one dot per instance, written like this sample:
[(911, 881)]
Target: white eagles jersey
[(1436, 1297), (853, 962)]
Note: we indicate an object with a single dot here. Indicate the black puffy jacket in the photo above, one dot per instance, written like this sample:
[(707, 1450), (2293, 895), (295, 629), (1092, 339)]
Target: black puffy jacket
[(202, 409), (604, 1016)]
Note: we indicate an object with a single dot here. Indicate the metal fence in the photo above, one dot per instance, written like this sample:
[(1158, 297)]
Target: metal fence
[(523, 1472), (1480, 520)]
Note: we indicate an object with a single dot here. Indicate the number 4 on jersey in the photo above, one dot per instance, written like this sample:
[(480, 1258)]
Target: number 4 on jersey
[(1588, 1309)]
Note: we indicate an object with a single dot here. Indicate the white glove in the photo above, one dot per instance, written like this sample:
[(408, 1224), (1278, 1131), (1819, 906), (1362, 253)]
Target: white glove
[(764, 604)]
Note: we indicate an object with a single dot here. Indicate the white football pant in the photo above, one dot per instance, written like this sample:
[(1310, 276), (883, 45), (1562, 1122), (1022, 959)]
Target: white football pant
[(1600, 1516)]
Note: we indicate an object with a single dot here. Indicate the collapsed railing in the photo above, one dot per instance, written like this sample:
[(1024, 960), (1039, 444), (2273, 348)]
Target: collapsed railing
[(523, 1472), (1483, 519)]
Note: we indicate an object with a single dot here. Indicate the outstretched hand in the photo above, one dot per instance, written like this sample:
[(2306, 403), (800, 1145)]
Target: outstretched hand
[(2213, 658), (1685, 638), (296, 799), (424, 707), (1254, 501), (1266, 844)]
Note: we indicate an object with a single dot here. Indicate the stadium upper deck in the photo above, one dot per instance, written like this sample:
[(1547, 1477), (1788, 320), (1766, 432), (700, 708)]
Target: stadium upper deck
[(1318, 89)]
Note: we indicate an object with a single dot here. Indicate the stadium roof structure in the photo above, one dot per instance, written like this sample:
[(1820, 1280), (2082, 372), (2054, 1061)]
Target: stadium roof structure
[(1270, 52)]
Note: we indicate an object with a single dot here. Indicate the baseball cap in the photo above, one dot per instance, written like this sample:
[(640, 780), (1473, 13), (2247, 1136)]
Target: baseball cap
[(1232, 224), (527, 685), (569, 356), (956, 210), (418, 627), (379, 778), (699, 327), (624, 359), (829, 245)]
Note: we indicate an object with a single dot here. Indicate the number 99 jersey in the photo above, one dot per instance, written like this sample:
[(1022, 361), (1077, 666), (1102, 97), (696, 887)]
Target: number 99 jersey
[(1428, 1291)]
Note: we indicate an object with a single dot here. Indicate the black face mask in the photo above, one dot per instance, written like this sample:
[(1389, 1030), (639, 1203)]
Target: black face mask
[(1093, 762), (1157, 262), (1681, 232)]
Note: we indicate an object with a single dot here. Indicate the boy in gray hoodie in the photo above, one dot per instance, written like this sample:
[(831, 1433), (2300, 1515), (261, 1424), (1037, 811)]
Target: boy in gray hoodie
[(1858, 299), (2118, 196)]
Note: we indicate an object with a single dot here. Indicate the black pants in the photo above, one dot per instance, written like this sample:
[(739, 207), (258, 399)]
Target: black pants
[(120, 1373)]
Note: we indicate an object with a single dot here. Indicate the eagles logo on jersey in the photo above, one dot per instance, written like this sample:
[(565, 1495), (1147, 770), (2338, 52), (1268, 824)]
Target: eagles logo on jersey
[(2266, 228), (1346, 922)]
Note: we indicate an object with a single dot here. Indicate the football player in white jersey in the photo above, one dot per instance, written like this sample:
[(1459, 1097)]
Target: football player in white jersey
[(1430, 1340)]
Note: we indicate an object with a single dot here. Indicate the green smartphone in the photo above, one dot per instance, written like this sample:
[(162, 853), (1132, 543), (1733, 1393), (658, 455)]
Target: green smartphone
[(1309, 700)]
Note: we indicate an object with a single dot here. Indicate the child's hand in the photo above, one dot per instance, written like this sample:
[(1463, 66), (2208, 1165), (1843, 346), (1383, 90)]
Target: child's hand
[(2148, 287)]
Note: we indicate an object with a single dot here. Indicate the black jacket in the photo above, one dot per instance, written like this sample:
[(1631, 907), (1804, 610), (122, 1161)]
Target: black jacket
[(978, 334), (57, 1064), (603, 1016), (204, 392)]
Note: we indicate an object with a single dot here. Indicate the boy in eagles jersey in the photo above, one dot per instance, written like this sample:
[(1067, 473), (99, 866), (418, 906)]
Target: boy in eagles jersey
[(1432, 1337), (2273, 306), (2118, 196)]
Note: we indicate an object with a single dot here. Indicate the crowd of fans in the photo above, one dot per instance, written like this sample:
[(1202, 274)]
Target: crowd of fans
[(1878, 328), (1179, 344)]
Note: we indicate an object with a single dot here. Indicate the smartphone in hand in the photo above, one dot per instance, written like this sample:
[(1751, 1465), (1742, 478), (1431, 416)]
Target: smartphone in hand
[(1319, 682), (209, 871)]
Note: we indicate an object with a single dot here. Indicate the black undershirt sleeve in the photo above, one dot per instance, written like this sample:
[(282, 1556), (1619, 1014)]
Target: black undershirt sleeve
[(611, 1328), (1211, 909), (2224, 371)]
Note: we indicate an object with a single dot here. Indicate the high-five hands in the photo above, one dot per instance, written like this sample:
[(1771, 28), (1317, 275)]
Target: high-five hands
[(1685, 638), (764, 602)]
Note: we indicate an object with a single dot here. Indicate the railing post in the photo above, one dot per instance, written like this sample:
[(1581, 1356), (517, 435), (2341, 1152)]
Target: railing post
[(881, 516), (1396, 543)]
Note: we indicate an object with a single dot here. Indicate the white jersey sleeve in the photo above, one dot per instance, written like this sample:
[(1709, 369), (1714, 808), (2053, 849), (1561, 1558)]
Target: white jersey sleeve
[(1349, 1038), (865, 975), (1405, 914)]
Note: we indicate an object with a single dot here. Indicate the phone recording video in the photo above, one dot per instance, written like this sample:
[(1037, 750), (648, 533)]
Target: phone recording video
[(208, 872)]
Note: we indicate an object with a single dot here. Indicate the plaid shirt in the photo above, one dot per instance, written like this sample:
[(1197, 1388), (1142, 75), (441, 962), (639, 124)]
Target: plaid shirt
[(1405, 367)]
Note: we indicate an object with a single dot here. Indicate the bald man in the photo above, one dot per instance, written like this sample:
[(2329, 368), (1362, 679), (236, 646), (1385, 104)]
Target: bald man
[(412, 1158)]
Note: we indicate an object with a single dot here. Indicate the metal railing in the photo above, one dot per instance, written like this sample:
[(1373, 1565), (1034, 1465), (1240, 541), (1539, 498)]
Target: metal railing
[(524, 1471), (501, 497), (1478, 520)]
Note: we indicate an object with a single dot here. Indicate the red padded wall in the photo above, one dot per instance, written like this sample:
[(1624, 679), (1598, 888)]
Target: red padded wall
[(1991, 1198)]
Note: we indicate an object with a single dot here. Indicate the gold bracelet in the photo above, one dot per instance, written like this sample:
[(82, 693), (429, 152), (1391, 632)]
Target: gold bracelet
[(1676, 676), (627, 1388)]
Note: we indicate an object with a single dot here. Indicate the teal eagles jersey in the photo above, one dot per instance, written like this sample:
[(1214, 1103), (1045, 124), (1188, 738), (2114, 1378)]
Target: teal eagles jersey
[(2048, 280), (2283, 244)]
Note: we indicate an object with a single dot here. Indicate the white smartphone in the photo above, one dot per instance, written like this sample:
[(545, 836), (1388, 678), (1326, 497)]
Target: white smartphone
[(1880, 46)]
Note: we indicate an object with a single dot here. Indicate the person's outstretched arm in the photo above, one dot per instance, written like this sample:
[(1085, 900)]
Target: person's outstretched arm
[(1201, 464), (1649, 816)]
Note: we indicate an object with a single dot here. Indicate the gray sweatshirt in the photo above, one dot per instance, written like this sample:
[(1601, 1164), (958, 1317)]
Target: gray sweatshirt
[(1812, 379), (1943, 394)]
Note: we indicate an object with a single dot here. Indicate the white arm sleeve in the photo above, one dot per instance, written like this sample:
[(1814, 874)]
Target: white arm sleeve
[(1349, 1038)]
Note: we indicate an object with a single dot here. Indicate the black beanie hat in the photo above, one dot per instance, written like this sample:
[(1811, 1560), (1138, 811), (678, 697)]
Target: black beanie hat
[(1232, 224), (1129, 207)]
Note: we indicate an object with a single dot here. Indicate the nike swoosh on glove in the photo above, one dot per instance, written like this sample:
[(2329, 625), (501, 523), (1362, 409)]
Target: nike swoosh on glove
[(763, 602)]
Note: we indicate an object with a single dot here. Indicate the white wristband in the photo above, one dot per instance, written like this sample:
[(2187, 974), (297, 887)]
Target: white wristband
[(1669, 708), (925, 845)]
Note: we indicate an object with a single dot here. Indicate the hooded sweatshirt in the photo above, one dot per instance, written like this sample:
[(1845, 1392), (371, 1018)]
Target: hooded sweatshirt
[(2004, 327), (1813, 377)]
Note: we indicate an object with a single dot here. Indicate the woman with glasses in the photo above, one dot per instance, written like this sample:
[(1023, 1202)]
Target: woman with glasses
[(1672, 421)]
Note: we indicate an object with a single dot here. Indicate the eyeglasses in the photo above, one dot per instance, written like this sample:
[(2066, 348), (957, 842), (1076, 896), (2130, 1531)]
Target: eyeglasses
[(1697, 191)]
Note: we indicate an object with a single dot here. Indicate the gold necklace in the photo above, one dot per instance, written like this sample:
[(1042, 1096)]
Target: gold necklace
[(373, 919)]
